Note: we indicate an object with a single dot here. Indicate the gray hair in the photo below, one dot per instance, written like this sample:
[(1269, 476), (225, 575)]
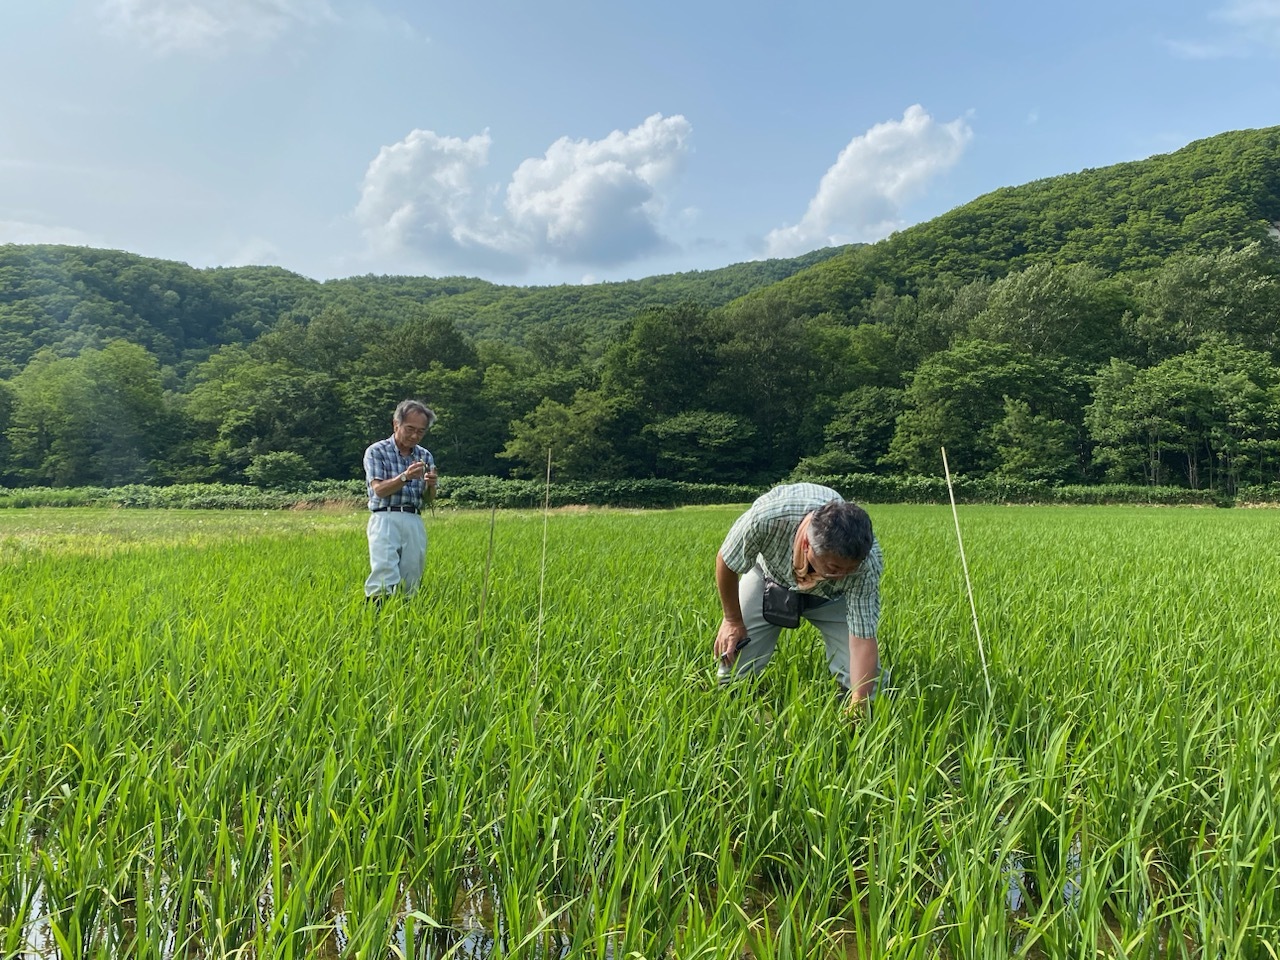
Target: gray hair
[(406, 407), (842, 529)]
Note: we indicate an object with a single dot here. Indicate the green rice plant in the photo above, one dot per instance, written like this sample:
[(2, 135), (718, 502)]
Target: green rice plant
[(790, 928), (211, 746), (706, 931), (19, 825)]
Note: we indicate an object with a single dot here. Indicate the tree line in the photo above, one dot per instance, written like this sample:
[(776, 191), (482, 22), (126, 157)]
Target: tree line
[(1054, 372)]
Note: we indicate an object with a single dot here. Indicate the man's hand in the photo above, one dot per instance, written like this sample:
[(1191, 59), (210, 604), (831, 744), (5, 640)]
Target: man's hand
[(415, 471), (429, 475), (856, 707), (731, 636), (733, 632)]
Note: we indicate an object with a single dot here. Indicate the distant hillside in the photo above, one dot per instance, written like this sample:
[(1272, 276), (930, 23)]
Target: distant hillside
[(70, 297), (507, 313), (1213, 194)]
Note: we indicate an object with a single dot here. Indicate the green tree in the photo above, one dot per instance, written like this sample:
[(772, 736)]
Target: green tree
[(1194, 298), (770, 371), (701, 446), (957, 397), (427, 358), (417, 343), (1127, 445), (242, 406), (663, 361), (99, 418), (1060, 311), (51, 426), (329, 342), (860, 431), (581, 436), (469, 431), (1209, 414), (936, 318), (137, 424), (1032, 446), (281, 469), (6, 417)]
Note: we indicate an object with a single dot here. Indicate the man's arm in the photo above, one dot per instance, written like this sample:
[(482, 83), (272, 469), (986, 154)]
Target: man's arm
[(863, 605), (732, 630), (864, 667)]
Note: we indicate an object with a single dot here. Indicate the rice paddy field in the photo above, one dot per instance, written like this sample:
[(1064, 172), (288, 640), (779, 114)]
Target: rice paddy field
[(210, 747)]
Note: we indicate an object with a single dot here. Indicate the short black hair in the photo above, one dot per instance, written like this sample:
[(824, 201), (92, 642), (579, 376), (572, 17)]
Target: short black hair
[(841, 528)]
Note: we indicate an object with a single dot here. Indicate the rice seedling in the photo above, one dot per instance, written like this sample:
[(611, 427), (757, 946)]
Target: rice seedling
[(211, 747)]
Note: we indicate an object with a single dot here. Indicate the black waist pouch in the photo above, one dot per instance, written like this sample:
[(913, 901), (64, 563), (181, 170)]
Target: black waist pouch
[(781, 604)]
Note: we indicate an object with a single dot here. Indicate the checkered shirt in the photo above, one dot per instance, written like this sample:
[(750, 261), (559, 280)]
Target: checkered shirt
[(767, 532), (382, 461)]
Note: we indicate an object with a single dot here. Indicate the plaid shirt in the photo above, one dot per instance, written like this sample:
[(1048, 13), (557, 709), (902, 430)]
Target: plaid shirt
[(382, 461), (767, 532)]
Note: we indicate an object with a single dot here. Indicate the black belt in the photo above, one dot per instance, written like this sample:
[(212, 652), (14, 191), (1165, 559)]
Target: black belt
[(403, 508)]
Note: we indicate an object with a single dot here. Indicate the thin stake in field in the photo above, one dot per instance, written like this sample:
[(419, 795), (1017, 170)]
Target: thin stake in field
[(965, 565), (542, 576), (488, 562)]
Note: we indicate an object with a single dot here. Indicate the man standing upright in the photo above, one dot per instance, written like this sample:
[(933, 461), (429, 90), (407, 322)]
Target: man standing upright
[(399, 474), (801, 552)]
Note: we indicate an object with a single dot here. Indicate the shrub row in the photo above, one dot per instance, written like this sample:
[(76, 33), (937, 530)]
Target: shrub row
[(871, 488), (476, 492), (491, 491), (186, 496), (454, 491)]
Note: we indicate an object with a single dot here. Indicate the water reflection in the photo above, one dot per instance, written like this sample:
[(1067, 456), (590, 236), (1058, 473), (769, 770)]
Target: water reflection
[(476, 930)]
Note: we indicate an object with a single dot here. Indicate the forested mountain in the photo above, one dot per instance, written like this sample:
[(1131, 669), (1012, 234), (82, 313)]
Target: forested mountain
[(1119, 324), (592, 313), (67, 298), (1212, 195)]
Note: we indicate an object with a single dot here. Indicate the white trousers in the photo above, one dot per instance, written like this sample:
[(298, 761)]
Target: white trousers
[(397, 553)]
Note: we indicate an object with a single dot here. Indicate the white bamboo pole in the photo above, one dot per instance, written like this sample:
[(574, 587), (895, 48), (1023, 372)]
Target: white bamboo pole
[(967, 582)]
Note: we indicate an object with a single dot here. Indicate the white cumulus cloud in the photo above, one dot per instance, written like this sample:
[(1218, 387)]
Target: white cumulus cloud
[(860, 197), (586, 202), (419, 197), (210, 26)]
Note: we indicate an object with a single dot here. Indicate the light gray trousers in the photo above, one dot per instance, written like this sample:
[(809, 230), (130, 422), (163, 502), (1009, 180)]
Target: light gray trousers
[(397, 553), (830, 619)]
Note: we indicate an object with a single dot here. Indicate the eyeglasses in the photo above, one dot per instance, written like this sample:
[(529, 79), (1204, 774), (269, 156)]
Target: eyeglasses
[(833, 568)]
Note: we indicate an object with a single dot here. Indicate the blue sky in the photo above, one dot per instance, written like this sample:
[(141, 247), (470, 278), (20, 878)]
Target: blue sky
[(568, 141)]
